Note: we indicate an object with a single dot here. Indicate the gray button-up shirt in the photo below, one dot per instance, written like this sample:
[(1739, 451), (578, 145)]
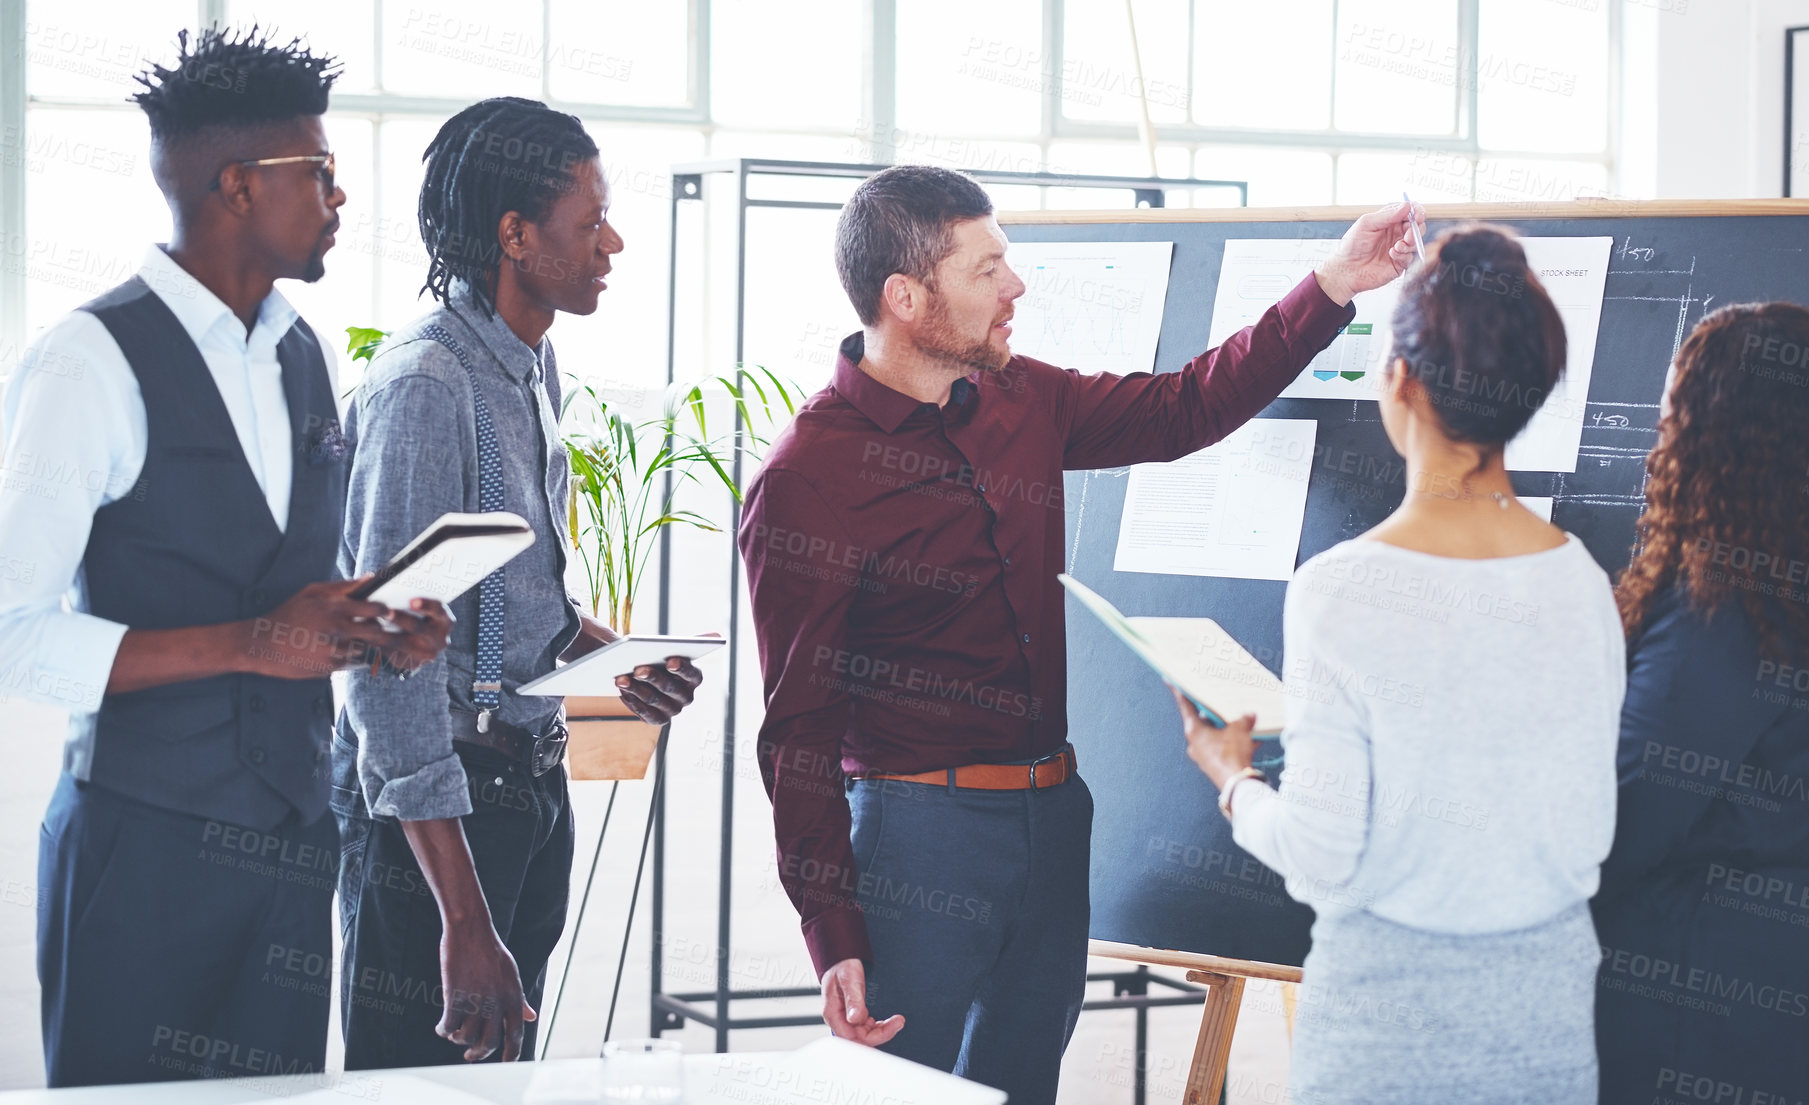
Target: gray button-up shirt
[(413, 430)]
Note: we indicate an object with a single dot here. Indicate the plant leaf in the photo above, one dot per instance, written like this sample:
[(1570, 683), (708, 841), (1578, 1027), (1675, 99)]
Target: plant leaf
[(362, 341), (685, 516)]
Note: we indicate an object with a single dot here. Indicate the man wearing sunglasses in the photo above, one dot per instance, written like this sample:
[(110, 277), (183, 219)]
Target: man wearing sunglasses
[(176, 472)]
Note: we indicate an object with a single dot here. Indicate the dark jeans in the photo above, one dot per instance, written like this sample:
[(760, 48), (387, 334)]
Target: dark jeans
[(976, 906), (520, 833), (172, 946)]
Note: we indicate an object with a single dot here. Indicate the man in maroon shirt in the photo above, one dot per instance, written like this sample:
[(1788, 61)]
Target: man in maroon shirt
[(902, 544)]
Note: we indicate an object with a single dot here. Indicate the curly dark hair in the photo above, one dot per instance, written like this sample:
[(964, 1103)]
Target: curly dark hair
[(499, 155), (1478, 331), (234, 79), (1727, 487)]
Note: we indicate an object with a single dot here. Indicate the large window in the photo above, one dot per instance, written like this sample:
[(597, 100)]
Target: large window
[(1451, 99), (1311, 101), (632, 70)]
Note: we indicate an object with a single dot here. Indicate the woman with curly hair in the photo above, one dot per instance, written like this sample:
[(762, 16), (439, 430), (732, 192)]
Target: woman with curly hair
[(1703, 915)]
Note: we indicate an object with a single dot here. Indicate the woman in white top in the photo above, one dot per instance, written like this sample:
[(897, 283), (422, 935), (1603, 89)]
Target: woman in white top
[(1454, 682)]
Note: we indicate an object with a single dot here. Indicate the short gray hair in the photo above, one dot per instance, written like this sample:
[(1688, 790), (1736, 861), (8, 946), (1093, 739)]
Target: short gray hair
[(899, 221)]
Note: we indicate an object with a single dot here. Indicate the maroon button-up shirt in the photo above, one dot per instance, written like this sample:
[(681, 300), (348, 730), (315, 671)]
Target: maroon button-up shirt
[(902, 557)]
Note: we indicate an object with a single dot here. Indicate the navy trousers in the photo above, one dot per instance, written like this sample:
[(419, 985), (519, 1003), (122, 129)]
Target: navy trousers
[(172, 946), (976, 907), (521, 838)]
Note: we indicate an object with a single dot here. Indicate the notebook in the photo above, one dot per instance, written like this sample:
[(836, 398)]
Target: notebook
[(1198, 658)]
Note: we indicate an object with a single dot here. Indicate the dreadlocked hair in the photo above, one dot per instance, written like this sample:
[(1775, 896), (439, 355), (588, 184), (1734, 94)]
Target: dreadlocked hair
[(498, 155), (235, 80)]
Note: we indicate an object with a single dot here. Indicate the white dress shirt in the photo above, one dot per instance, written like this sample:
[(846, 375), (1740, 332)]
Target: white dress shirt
[(72, 439)]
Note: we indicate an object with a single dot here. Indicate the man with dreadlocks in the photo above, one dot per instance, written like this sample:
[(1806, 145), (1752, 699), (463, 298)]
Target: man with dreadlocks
[(186, 860), (450, 790)]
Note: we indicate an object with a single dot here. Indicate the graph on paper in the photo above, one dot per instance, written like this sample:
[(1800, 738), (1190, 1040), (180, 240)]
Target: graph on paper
[(1259, 272), (1091, 306)]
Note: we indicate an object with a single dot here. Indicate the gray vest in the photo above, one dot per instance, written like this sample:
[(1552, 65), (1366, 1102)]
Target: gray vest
[(194, 544)]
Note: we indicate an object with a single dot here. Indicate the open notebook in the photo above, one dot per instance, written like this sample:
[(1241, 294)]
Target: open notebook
[(1199, 659)]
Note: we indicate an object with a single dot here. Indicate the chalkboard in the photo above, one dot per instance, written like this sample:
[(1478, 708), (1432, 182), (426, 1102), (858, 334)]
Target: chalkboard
[(1165, 873)]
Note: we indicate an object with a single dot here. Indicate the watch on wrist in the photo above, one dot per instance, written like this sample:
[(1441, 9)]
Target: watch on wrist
[(1231, 785)]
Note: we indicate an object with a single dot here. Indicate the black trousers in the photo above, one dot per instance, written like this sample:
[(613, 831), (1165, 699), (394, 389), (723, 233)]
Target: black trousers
[(172, 946), (521, 838), (976, 908)]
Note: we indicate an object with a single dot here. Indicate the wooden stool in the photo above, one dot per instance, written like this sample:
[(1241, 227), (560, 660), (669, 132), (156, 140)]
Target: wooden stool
[(1224, 980)]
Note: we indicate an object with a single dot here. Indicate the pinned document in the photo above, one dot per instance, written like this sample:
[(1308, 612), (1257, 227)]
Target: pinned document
[(1231, 509), (1538, 504), (1091, 306), (1258, 272)]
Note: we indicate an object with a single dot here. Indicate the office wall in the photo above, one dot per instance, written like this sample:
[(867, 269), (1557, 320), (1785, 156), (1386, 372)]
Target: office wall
[(1718, 91)]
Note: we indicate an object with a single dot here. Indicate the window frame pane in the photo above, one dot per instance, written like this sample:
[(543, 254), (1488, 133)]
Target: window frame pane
[(886, 140), (1461, 146)]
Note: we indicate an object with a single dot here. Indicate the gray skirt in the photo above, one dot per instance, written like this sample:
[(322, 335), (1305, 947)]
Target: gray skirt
[(1394, 1015)]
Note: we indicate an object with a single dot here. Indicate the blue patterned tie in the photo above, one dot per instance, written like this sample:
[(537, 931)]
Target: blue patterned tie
[(486, 688)]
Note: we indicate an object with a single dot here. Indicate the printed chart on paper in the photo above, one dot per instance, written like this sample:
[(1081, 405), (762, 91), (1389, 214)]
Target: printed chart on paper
[(1258, 272), (1092, 306)]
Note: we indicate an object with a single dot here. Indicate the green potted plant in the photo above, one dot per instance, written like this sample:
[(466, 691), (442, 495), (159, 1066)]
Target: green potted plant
[(626, 477)]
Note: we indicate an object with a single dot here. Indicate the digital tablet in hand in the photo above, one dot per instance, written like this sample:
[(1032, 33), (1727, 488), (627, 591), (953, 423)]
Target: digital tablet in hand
[(450, 557), (595, 672)]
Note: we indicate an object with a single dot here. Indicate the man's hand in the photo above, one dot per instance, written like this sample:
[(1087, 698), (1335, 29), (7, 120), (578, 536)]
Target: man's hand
[(1219, 752), (654, 695), (426, 629), (592, 635), (484, 1004), (657, 695), (320, 630), (845, 1006), (1377, 248), (482, 987)]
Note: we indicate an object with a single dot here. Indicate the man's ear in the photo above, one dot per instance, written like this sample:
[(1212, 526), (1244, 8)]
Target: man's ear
[(515, 235), (902, 297), (235, 188)]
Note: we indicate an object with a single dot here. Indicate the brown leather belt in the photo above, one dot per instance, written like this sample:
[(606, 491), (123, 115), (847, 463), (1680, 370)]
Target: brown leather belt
[(540, 754), (1050, 771)]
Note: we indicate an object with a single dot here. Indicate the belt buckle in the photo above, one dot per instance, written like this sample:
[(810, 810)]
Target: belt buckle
[(549, 750), (1056, 755)]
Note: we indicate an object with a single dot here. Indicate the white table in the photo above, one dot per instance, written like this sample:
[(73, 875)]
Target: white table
[(824, 1072)]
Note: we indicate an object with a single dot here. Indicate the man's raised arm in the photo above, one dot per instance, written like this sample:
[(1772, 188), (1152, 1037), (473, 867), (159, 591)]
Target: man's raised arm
[(1114, 420)]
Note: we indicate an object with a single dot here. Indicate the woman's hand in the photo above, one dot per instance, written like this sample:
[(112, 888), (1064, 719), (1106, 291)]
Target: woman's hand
[(1219, 752)]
